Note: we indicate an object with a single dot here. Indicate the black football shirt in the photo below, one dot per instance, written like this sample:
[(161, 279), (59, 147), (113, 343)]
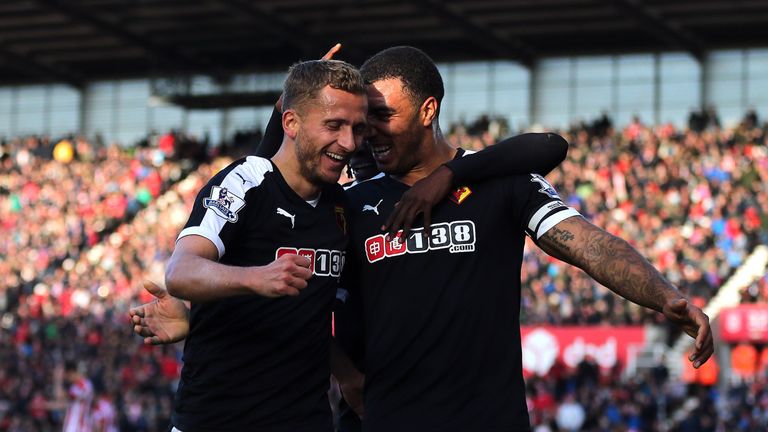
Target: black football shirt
[(250, 362), (440, 316)]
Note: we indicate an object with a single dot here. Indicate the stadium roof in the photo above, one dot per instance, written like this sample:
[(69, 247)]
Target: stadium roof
[(75, 41)]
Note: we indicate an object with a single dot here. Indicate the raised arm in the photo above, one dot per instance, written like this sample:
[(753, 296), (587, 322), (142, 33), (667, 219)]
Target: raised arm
[(273, 134), (617, 265), (536, 153)]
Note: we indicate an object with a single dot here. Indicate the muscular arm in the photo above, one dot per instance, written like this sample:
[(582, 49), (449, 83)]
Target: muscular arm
[(618, 266), (194, 274), (609, 260)]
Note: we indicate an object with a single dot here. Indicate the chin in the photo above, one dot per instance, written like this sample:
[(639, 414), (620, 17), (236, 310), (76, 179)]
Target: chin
[(329, 177), (386, 169)]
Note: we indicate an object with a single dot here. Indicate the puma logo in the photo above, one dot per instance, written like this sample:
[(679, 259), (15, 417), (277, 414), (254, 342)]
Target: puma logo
[(282, 212), (243, 178), (375, 208)]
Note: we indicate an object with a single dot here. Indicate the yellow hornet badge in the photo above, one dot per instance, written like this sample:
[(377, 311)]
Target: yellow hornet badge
[(459, 195)]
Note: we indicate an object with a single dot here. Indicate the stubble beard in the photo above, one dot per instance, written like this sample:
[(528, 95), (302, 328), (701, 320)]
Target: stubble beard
[(309, 160)]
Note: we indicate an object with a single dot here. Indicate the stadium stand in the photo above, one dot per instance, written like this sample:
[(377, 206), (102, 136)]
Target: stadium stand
[(83, 221), (66, 299), (690, 202)]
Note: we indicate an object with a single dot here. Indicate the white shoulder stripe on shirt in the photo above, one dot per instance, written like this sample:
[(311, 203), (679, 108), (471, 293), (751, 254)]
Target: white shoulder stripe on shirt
[(238, 181)]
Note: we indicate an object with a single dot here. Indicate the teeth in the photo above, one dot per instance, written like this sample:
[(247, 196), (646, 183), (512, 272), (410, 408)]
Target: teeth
[(335, 156), (381, 149)]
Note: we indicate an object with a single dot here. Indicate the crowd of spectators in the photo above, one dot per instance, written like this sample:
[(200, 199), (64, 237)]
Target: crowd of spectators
[(692, 203), (55, 203), (589, 399), (73, 251), (80, 232)]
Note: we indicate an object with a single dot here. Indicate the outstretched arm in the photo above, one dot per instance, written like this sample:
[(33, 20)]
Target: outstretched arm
[(615, 264), (536, 153)]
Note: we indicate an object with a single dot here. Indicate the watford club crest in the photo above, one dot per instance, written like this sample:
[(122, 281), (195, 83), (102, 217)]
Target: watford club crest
[(341, 218), (459, 195)]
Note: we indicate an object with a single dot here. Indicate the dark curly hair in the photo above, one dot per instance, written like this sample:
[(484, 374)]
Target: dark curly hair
[(412, 66)]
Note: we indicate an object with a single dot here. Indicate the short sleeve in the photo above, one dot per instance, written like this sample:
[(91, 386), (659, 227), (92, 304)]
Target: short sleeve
[(543, 207), (219, 209)]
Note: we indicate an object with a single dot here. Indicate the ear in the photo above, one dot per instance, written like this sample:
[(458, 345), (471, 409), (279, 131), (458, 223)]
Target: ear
[(428, 111), (291, 122)]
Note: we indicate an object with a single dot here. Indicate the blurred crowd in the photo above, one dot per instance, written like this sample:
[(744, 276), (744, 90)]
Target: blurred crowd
[(589, 399), (82, 224), (80, 228), (692, 202)]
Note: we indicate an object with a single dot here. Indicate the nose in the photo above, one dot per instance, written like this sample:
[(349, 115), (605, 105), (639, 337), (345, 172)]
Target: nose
[(370, 131), (347, 140)]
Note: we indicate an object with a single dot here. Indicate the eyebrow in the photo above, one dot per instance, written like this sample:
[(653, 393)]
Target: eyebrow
[(381, 109)]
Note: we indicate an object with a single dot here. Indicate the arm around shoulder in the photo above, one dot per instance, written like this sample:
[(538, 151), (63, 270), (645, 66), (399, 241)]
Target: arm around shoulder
[(522, 154)]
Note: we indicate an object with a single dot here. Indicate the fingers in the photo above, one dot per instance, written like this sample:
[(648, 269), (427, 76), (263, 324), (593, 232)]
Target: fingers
[(427, 222), (704, 346), (154, 289), (299, 266), (143, 331), (299, 260), (137, 311), (331, 52), (293, 272), (152, 340), (402, 218), (392, 220)]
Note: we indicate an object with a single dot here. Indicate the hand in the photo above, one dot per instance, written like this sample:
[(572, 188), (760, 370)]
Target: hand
[(162, 321), (328, 56), (286, 275), (352, 392), (696, 324), (423, 195), (331, 52)]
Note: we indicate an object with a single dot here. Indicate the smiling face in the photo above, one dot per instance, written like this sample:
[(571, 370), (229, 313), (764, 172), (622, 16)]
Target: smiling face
[(396, 132), (328, 130)]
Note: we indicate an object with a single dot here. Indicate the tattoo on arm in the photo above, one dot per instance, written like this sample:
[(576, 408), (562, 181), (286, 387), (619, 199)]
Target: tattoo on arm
[(558, 238), (609, 260)]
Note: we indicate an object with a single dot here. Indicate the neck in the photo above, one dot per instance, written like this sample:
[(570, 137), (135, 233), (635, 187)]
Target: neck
[(286, 161), (435, 151)]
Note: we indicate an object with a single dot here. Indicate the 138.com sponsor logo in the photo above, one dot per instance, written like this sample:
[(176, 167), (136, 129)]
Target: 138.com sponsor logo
[(456, 236), (323, 262)]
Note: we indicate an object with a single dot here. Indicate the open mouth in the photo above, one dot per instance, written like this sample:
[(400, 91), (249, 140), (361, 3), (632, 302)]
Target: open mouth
[(381, 151), (336, 156)]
